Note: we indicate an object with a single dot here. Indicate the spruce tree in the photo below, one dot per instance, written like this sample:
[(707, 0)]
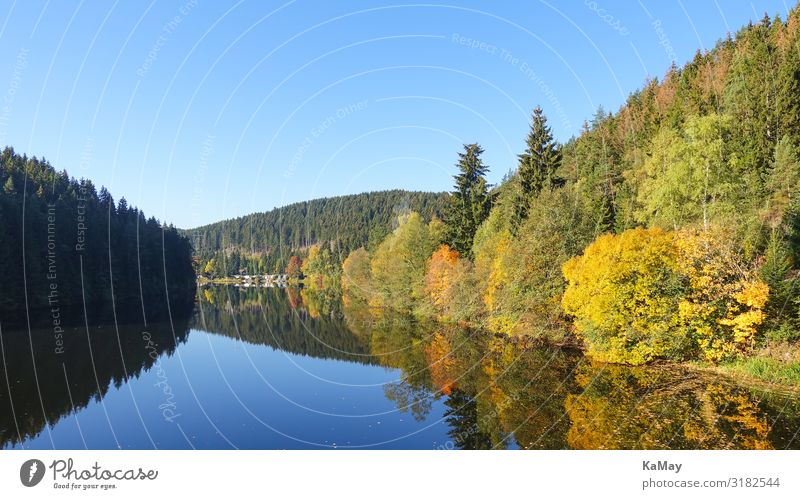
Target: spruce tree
[(470, 201), (537, 165)]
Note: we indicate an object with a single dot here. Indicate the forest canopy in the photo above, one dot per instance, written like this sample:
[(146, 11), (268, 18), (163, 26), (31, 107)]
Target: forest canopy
[(66, 243), (667, 230), (264, 243)]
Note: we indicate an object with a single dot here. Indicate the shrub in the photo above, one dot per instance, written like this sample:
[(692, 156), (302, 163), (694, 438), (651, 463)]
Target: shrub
[(649, 293)]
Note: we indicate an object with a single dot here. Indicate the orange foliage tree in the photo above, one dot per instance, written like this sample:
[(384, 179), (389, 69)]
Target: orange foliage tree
[(441, 276), (293, 269)]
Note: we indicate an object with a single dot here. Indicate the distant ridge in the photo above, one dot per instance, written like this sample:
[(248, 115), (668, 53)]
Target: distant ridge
[(343, 222)]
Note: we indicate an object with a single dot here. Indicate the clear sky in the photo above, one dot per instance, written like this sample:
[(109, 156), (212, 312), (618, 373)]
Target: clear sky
[(199, 110)]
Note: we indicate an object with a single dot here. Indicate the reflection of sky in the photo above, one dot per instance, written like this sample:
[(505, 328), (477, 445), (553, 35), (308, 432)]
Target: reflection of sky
[(223, 387)]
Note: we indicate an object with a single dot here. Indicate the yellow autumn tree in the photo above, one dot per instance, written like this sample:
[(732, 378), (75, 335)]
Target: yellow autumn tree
[(356, 274), (498, 273), (492, 241), (624, 291), (725, 301), (649, 293), (441, 275), (310, 263)]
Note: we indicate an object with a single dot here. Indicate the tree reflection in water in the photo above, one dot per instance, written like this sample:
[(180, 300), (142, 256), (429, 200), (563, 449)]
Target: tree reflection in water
[(96, 355), (500, 394), (491, 393)]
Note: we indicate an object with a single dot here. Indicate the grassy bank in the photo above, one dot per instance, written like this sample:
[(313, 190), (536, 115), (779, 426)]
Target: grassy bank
[(765, 369), (775, 367)]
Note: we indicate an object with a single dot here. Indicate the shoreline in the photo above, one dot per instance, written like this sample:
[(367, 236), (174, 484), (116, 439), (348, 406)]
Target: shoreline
[(572, 344)]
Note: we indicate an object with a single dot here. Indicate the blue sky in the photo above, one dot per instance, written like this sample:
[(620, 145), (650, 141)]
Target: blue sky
[(197, 111)]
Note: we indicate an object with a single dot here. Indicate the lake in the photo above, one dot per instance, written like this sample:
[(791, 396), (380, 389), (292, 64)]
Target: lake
[(269, 368)]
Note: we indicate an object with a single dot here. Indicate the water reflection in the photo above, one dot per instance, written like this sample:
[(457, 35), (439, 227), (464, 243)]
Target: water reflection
[(43, 380), (500, 395), (663, 409), (461, 389), (281, 319)]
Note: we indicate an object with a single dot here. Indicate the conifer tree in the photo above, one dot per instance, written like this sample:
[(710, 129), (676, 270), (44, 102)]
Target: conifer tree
[(537, 165), (470, 201)]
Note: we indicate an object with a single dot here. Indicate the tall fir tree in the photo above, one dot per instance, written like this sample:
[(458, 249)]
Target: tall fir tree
[(537, 165), (470, 201)]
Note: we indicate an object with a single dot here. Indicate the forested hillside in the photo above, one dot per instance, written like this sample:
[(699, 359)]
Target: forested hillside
[(669, 229), (265, 242), (63, 243)]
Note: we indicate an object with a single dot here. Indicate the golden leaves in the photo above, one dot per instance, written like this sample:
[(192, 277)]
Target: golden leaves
[(441, 275), (649, 293)]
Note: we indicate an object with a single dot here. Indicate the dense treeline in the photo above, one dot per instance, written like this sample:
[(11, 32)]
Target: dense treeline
[(263, 243), (64, 242), (670, 229)]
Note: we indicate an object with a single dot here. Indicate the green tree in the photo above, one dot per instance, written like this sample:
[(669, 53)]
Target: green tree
[(776, 272), (470, 201), (529, 294), (356, 279), (689, 175), (341, 224), (124, 256), (537, 166), (783, 182), (398, 264)]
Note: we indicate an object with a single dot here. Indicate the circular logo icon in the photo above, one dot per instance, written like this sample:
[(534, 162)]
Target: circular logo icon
[(31, 472)]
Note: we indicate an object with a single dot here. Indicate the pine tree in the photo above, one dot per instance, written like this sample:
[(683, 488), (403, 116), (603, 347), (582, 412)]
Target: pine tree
[(537, 165), (470, 201)]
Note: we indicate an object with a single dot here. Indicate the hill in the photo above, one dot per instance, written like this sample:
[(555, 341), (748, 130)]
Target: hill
[(64, 244), (264, 242), (669, 229)]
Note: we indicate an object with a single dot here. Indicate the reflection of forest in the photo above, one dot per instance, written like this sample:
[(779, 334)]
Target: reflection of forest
[(285, 319), (112, 354), (538, 398), (496, 394), (499, 394), (654, 408)]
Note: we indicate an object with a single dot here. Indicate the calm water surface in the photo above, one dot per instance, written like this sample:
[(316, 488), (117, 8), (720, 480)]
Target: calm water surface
[(285, 368)]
